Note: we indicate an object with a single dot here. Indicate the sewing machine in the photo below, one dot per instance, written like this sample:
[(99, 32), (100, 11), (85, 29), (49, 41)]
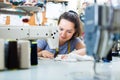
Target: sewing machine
[(17, 33), (101, 22), (31, 33), (27, 32)]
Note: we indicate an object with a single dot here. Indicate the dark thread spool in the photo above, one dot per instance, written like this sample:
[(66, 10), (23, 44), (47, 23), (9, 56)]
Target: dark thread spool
[(12, 56), (6, 53), (34, 59)]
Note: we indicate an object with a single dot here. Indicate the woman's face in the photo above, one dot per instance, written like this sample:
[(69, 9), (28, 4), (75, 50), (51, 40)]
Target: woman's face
[(66, 30)]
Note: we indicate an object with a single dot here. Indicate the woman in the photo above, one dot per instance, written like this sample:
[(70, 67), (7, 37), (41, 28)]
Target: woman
[(69, 33)]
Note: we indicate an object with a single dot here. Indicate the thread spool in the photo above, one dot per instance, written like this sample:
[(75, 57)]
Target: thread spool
[(6, 52), (12, 56), (24, 54), (2, 58), (34, 58)]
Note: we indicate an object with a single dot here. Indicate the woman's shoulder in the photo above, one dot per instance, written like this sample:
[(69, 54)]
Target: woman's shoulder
[(76, 39), (41, 41)]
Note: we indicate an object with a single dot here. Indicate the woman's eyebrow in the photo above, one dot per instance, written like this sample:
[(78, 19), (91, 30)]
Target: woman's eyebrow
[(70, 30)]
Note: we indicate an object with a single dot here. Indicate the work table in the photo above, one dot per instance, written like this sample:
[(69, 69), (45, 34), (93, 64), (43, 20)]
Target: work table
[(48, 69)]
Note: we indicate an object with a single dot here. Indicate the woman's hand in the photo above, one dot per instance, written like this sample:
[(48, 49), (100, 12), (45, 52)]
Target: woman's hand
[(46, 54)]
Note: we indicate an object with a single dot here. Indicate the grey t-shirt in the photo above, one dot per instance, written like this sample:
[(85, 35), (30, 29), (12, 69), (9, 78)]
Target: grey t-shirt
[(42, 44)]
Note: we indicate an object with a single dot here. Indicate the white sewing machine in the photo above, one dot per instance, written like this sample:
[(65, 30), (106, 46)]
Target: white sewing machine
[(10, 32), (27, 32), (49, 33), (101, 22)]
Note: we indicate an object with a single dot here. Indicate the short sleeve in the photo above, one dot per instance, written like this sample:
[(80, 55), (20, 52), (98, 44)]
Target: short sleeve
[(74, 42), (41, 43)]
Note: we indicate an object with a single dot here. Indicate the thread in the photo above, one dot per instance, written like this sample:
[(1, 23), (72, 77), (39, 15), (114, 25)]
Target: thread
[(12, 58), (2, 58), (24, 54), (34, 59), (6, 52)]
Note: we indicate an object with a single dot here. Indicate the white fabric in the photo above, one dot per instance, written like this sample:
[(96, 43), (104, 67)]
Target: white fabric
[(74, 57)]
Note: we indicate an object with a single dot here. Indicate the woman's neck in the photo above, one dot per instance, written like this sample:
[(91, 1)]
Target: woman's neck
[(61, 43)]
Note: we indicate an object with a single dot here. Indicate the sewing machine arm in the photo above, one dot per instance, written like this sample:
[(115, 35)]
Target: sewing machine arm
[(101, 22), (31, 33)]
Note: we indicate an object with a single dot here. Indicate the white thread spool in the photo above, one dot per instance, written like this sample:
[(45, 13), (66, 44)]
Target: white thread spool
[(24, 54), (2, 55)]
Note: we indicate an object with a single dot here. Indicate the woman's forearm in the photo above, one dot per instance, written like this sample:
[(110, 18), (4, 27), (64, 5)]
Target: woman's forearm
[(81, 51)]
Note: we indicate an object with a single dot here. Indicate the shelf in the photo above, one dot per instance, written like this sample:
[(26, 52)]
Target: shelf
[(28, 8), (18, 10), (57, 0), (4, 5)]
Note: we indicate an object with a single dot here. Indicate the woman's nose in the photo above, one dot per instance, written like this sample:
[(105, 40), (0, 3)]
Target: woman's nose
[(63, 33)]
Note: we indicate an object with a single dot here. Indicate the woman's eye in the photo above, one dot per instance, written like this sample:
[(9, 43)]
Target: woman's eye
[(69, 31), (61, 29)]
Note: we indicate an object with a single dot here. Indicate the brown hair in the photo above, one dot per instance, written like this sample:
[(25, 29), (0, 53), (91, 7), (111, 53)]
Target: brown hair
[(74, 18)]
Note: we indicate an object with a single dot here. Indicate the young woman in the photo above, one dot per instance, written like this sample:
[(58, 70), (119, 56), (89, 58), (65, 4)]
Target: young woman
[(69, 37)]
